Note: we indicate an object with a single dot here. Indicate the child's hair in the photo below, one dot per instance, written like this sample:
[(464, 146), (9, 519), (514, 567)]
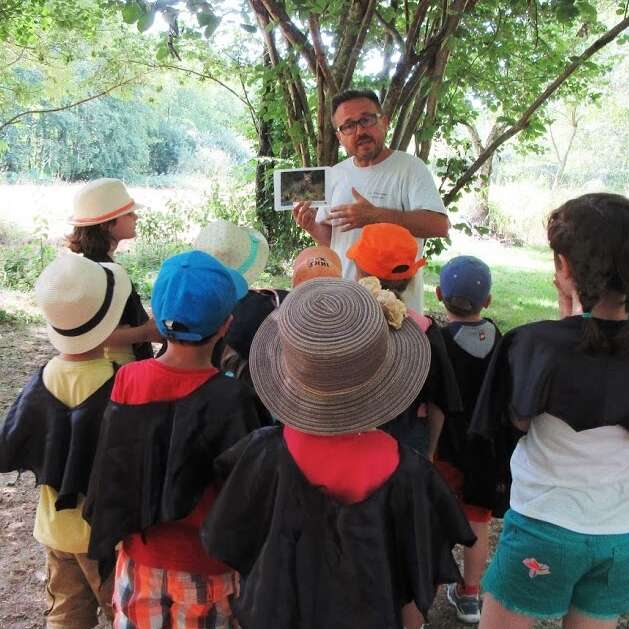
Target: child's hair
[(592, 232), (397, 286), (93, 241), (180, 327), (465, 285), (461, 307)]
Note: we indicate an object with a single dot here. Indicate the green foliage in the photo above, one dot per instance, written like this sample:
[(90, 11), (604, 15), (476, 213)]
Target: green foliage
[(142, 264), (18, 317), (522, 289), (112, 137), (22, 264)]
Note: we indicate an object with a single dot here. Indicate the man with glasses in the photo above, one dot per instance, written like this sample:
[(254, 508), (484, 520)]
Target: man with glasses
[(374, 185)]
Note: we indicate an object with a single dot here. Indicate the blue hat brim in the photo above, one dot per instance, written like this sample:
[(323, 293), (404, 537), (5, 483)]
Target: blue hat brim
[(239, 282)]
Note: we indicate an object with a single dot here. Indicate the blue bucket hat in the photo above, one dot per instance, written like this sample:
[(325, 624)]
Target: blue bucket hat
[(193, 294), (467, 278)]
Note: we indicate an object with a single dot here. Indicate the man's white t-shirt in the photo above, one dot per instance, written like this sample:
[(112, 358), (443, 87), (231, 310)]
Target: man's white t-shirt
[(400, 182)]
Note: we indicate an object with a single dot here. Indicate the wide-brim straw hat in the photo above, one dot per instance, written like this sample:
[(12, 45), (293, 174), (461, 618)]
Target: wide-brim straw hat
[(244, 249), (100, 201), (82, 301), (327, 363)]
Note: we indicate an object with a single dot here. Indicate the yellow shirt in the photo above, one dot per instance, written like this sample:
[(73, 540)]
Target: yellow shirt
[(71, 382), (119, 355)]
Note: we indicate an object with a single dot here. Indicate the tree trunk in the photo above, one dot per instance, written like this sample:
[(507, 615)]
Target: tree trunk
[(480, 212), (562, 160), (264, 165)]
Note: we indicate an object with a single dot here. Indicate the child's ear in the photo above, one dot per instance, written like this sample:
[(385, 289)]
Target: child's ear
[(438, 293), (487, 301), (562, 266), (222, 331)]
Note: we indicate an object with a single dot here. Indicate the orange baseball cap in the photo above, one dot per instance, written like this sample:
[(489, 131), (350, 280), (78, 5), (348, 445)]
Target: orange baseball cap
[(387, 251), (316, 262)]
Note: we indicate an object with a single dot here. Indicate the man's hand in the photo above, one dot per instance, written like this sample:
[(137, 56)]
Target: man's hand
[(354, 215), (305, 215)]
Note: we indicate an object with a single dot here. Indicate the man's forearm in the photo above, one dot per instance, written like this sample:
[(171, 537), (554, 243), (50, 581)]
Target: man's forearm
[(421, 223), (322, 233)]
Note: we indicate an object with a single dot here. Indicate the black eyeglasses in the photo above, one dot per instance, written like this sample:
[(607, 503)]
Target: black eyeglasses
[(366, 121)]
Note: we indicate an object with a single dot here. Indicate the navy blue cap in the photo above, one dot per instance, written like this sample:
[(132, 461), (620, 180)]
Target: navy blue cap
[(466, 277), (193, 294)]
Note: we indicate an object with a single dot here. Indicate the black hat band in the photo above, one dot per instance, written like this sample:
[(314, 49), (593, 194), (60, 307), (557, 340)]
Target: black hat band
[(99, 316)]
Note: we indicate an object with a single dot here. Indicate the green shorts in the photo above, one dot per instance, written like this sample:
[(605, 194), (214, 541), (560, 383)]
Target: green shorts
[(542, 570)]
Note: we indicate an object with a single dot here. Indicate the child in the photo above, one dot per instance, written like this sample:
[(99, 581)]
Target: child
[(329, 521), (464, 288), (52, 428), (152, 481), (246, 250), (253, 309), (389, 253), (241, 248), (564, 548), (104, 214)]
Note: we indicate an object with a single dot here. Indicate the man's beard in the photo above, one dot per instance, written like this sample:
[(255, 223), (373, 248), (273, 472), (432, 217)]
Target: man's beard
[(370, 148)]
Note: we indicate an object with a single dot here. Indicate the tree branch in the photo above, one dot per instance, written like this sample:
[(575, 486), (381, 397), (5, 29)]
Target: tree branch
[(357, 45), (291, 33), (576, 62), (65, 107), (322, 62), (391, 30)]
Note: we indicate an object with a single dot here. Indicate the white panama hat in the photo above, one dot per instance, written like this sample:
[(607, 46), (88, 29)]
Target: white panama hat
[(100, 201), (244, 249), (82, 301)]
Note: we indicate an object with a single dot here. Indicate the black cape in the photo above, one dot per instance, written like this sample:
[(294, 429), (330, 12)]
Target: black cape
[(133, 315), (308, 561), (154, 461), (538, 368), (486, 476), (55, 442), (440, 388)]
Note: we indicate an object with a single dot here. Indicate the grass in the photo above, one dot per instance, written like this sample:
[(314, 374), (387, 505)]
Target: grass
[(522, 276), (522, 280)]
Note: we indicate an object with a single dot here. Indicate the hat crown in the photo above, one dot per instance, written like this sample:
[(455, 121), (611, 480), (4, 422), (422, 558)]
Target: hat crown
[(334, 338), (466, 277), (70, 291), (195, 290), (319, 261), (386, 251), (240, 248), (101, 199)]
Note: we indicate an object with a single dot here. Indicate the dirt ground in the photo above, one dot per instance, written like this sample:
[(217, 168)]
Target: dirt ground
[(23, 348)]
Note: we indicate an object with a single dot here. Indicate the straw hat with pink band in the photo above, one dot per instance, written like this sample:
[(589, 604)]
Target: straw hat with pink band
[(315, 262), (100, 201)]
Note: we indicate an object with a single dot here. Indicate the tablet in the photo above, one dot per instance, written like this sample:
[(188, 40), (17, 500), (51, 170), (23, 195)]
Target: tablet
[(301, 184)]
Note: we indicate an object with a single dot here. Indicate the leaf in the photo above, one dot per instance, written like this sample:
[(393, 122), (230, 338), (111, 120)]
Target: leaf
[(566, 11), (205, 18), (587, 10), (250, 28), (131, 13), (146, 21), (212, 26), (162, 52)]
